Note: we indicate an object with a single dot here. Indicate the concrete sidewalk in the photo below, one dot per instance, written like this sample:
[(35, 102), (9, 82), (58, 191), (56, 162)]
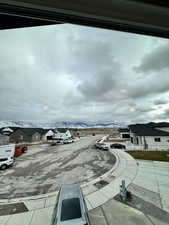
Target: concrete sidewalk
[(153, 176)]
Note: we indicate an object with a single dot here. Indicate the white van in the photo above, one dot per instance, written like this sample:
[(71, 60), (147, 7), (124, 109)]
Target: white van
[(6, 155), (6, 162)]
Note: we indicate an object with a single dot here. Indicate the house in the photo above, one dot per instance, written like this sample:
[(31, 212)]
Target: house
[(25, 135), (151, 136), (4, 139), (47, 134), (8, 130), (62, 133), (124, 132)]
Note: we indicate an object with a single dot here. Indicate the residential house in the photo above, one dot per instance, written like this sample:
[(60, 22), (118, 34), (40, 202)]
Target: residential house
[(4, 139), (62, 133), (47, 134), (8, 130), (151, 136), (124, 132), (25, 135)]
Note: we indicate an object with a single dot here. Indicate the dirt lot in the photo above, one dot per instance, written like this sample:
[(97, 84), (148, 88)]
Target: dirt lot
[(43, 169)]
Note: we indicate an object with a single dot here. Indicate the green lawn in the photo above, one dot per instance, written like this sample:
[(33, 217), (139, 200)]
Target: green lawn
[(150, 155)]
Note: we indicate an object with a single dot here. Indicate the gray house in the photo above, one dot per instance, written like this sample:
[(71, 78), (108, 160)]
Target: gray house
[(150, 136), (4, 139), (25, 135)]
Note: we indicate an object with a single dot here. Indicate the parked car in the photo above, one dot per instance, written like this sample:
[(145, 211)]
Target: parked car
[(105, 147), (6, 162), (118, 146), (102, 146), (98, 145), (70, 207), (6, 155), (59, 141), (68, 141)]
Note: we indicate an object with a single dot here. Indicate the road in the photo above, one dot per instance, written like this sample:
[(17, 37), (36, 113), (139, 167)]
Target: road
[(44, 168)]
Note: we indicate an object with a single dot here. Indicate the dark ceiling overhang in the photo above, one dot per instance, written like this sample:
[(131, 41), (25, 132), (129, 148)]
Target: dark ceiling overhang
[(148, 17)]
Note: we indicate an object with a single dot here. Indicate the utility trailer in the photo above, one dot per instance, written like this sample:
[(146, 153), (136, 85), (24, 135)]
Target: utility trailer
[(20, 149)]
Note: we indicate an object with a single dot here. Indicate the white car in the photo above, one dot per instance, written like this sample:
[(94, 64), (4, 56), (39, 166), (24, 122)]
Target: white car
[(68, 141), (102, 146), (6, 162)]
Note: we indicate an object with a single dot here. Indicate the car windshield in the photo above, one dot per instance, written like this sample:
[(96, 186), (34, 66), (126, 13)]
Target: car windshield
[(4, 159), (70, 209)]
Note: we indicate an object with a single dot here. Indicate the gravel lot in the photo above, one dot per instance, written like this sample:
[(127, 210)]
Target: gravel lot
[(44, 168)]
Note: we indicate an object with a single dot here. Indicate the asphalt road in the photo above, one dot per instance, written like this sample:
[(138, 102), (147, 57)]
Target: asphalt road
[(44, 168)]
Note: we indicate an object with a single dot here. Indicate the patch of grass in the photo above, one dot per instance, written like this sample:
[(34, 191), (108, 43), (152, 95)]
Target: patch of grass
[(150, 155)]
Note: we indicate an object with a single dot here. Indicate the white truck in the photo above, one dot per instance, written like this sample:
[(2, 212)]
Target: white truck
[(7, 155)]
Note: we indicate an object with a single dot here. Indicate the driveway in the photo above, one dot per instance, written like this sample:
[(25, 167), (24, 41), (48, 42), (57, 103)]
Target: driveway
[(44, 168)]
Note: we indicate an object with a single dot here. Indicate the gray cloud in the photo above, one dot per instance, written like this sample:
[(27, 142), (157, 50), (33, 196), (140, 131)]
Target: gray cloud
[(151, 85), (160, 101), (104, 82), (155, 60), (67, 72), (164, 115), (166, 112)]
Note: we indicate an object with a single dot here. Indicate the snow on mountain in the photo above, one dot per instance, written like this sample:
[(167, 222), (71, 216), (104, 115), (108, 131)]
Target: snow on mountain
[(64, 124), (8, 124)]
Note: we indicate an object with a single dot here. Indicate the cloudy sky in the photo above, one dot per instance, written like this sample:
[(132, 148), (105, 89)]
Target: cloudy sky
[(67, 72)]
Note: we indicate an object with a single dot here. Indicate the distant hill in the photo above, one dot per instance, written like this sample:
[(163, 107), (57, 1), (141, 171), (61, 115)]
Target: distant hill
[(64, 124)]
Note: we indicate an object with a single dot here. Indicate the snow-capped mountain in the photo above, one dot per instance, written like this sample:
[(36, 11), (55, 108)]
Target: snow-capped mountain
[(8, 124), (63, 124)]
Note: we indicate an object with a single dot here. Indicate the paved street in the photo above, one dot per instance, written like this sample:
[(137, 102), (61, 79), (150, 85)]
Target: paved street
[(44, 168), (149, 205)]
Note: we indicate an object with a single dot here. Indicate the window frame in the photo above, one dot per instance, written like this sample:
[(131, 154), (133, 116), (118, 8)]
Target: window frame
[(157, 139)]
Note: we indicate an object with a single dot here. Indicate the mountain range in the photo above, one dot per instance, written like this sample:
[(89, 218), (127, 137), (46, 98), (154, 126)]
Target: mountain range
[(63, 124)]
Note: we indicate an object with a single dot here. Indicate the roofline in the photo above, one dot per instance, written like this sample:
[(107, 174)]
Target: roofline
[(89, 16)]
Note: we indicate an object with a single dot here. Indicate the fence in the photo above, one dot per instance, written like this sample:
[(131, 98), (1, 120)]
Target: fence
[(150, 147)]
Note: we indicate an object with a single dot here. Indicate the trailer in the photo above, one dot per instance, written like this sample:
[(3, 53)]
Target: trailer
[(20, 149), (7, 155)]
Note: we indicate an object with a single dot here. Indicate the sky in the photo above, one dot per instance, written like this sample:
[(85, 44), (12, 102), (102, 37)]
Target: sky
[(76, 73)]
